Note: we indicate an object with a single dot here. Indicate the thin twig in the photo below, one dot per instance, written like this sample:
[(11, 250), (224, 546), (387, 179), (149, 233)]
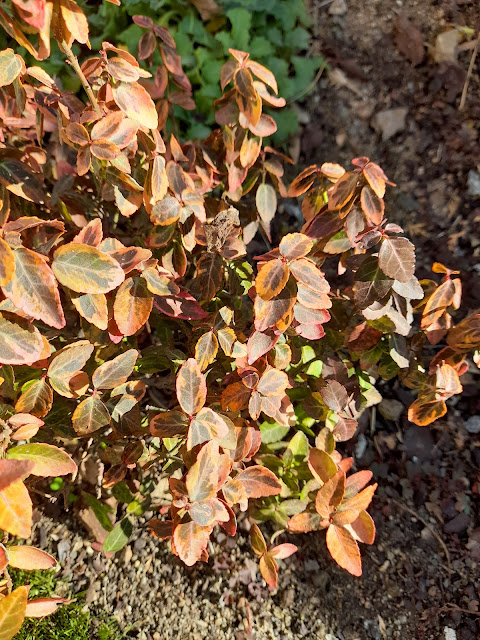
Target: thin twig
[(469, 75), (453, 607), (429, 527), (72, 58)]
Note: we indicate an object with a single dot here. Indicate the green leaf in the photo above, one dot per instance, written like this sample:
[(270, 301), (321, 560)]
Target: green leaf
[(119, 536), (298, 445), (272, 432), (241, 22)]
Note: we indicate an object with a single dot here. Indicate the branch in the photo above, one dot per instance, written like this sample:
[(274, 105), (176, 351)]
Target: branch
[(72, 58)]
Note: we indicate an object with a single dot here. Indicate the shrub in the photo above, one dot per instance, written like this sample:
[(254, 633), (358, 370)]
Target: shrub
[(134, 330)]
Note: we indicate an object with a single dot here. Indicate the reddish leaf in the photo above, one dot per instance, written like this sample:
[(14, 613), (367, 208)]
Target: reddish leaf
[(397, 258), (41, 607), (372, 206), (13, 470)]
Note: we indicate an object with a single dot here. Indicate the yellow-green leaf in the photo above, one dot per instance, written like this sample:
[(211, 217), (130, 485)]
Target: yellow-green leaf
[(86, 269), (114, 372), (10, 67)]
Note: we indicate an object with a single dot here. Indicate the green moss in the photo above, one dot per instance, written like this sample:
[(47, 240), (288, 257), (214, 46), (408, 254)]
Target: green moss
[(70, 622)]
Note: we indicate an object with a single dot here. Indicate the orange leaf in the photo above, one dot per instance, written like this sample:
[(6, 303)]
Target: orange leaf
[(36, 399), (424, 412), (269, 570), (206, 349), (272, 278), (344, 549), (191, 387), (132, 306), (304, 522), (169, 424), (12, 612), (7, 263), (235, 397), (321, 465), (16, 511), (364, 528), (257, 540), (190, 541), (75, 20), (136, 103)]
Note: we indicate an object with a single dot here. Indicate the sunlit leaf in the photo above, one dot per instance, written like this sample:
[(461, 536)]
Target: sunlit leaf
[(191, 387), (20, 342), (29, 558), (90, 415), (37, 399), (136, 103), (397, 258), (34, 290), (16, 511), (133, 304), (114, 372), (12, 612), (48, 460), (85, 269)]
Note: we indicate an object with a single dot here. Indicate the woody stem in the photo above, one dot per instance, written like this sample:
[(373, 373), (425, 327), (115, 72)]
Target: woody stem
[(72, 58)]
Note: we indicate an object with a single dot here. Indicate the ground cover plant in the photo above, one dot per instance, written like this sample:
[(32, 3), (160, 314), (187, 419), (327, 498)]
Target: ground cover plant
[(137, 332)]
